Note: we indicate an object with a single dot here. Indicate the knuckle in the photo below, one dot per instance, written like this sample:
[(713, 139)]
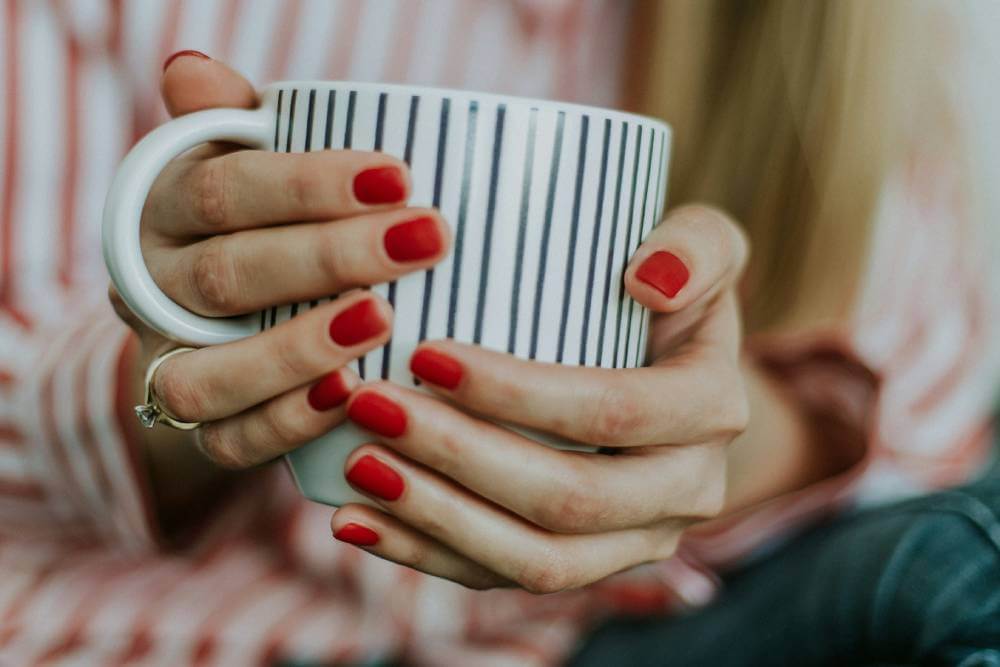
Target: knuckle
[(333, 261), (578, 508), (221, 448), (278, 430), (548, 572), (292, 357), (178, 395), (710, 494), (214, 279), (210, 193), (732, 409), (303, 183), (615, 418)]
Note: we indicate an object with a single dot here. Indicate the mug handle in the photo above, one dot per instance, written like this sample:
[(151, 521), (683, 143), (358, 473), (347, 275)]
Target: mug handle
[(123, 211)]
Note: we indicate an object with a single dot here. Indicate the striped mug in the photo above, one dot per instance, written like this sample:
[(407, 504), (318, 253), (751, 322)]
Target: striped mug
[(547, 202)]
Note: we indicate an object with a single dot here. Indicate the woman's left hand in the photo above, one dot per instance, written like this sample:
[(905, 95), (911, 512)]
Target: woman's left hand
[(482, 505)]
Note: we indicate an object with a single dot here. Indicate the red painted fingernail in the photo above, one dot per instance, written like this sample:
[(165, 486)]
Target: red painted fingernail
[(356, 534), (664, 272), (374, 477), (436, 367), (329, 392), (358, 323), (378, 414), (185, 52), (413, 240), (380, 185)]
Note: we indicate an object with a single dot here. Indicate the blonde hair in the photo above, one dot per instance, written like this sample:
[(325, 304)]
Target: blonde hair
[(789, 114)]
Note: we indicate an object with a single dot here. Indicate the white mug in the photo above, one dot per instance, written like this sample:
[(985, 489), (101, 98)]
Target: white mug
[(547, 202)]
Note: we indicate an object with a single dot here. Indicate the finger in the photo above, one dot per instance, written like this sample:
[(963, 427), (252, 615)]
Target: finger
[(688, 258), (192, 81), (689, 400), (567, 492), (245, 272), (389, 538), (220, 381), (536, 559), (279, 425), (245, 189)]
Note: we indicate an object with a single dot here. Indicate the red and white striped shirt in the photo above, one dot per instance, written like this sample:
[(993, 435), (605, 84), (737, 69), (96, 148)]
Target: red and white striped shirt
[(81, 578)]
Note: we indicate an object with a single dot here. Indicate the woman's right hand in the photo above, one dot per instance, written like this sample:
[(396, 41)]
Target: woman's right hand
[(227, 231)]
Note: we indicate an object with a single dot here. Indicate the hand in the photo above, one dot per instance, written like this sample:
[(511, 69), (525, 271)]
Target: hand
[(228, 231), (469, 500)]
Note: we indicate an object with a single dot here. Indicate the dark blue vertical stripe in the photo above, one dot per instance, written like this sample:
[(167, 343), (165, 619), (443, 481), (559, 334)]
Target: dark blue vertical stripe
[(407, 158), (625, 249), (463, 207), (639, 237), (594, 241), (349, 124), (623, 139), (546, 232), (291, 121), (310, 109), (491, 204), (515, 294), (657, 212), (277, 120), (380, 121), (442, 146), (581, 166), (277, 134), (331, 104)]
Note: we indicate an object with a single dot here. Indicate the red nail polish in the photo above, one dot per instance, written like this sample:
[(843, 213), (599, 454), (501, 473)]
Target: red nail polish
[(665, 272), (413, 240), (357, 323), (185, 52), (329, 392), (374, 477), (436, 367), (356, 534), (378, 414), (380, 185)]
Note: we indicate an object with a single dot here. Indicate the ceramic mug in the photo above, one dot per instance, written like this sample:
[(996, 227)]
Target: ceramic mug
[(547, 202)]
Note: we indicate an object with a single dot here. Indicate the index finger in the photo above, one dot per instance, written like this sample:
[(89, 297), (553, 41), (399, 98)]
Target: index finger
[(692, 400)]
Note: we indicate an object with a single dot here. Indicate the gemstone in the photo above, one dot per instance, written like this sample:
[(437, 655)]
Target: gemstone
[(147, 415)]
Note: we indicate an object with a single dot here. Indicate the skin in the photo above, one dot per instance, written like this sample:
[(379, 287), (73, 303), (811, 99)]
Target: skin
[(482, 505)]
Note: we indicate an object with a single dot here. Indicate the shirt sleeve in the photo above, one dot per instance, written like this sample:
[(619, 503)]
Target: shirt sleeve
[(68, 466)]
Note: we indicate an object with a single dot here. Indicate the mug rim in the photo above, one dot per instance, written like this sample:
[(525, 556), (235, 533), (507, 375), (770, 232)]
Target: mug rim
[(523, 100)]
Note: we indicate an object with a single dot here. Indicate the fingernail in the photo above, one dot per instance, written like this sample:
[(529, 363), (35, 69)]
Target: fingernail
[(436, 367), (356, 534), (664, 272), (378, 414), (185, 52), (380, 185), (358, 323), (413, 240), (329, 392), (374, 477)]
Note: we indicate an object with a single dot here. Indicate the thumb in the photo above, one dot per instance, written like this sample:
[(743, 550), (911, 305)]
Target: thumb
[(687, 259), (192, 81)]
